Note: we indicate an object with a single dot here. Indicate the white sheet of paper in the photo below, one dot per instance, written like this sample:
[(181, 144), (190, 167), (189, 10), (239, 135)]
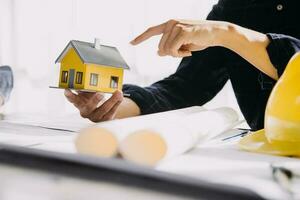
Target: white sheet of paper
[(28, 135), (41, 131), (223, 162), (73, 122)]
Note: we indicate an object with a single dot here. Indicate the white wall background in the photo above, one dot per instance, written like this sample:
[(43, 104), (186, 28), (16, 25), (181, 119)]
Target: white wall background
[(34, 32)]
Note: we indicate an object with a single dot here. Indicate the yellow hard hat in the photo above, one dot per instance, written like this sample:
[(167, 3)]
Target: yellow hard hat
[(281, 135)]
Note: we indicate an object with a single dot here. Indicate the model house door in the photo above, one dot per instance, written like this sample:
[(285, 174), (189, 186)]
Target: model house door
[(71, 78)]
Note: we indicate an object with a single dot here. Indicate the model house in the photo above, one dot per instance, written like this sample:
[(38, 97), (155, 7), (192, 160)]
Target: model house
[(91, 66)]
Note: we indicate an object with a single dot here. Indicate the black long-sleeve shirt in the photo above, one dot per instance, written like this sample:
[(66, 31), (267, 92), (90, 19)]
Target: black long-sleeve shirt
[(200, 77)]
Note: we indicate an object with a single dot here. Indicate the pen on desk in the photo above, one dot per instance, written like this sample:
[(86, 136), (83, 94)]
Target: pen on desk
[(244, 129), (242, 134)]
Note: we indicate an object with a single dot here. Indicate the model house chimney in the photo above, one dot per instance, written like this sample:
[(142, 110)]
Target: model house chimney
[(97, 44)]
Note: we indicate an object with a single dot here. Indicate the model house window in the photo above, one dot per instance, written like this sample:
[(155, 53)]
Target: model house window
[(94, 79), (114, 82), (79, 77), (64, 76)]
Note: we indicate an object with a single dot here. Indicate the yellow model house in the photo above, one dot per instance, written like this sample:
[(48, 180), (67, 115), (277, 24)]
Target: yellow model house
[(91, 66)]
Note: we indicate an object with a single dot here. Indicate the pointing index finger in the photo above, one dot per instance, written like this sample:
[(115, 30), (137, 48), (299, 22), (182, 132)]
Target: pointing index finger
[(155, 30)]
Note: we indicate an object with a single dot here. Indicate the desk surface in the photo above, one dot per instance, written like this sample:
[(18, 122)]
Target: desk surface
[(34, 174), (216, 162)]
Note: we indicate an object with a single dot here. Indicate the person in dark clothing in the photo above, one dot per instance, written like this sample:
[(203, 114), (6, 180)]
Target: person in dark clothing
[(248, 42)]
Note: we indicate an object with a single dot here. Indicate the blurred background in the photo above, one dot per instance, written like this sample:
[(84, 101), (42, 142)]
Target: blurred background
[(34, 32)]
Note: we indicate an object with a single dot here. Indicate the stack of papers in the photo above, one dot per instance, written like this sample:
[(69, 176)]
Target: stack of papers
[(43, 132)]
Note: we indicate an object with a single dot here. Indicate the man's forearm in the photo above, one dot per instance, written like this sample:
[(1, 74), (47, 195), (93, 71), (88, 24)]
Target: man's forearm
[(250, 45), (127, 108)]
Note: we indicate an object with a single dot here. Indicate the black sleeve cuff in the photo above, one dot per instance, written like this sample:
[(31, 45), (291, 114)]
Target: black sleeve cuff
[(140, 96), (281, 49)]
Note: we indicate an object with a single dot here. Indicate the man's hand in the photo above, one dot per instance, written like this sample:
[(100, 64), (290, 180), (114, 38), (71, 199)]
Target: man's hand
[(181, 37), (87, 103)]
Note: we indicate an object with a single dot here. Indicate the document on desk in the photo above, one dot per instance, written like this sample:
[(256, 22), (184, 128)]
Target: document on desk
[(28, 135), (71, 122), (225, 163), (40, 131)]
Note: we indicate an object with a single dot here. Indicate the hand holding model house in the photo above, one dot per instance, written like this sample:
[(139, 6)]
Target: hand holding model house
[(92, 69)]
